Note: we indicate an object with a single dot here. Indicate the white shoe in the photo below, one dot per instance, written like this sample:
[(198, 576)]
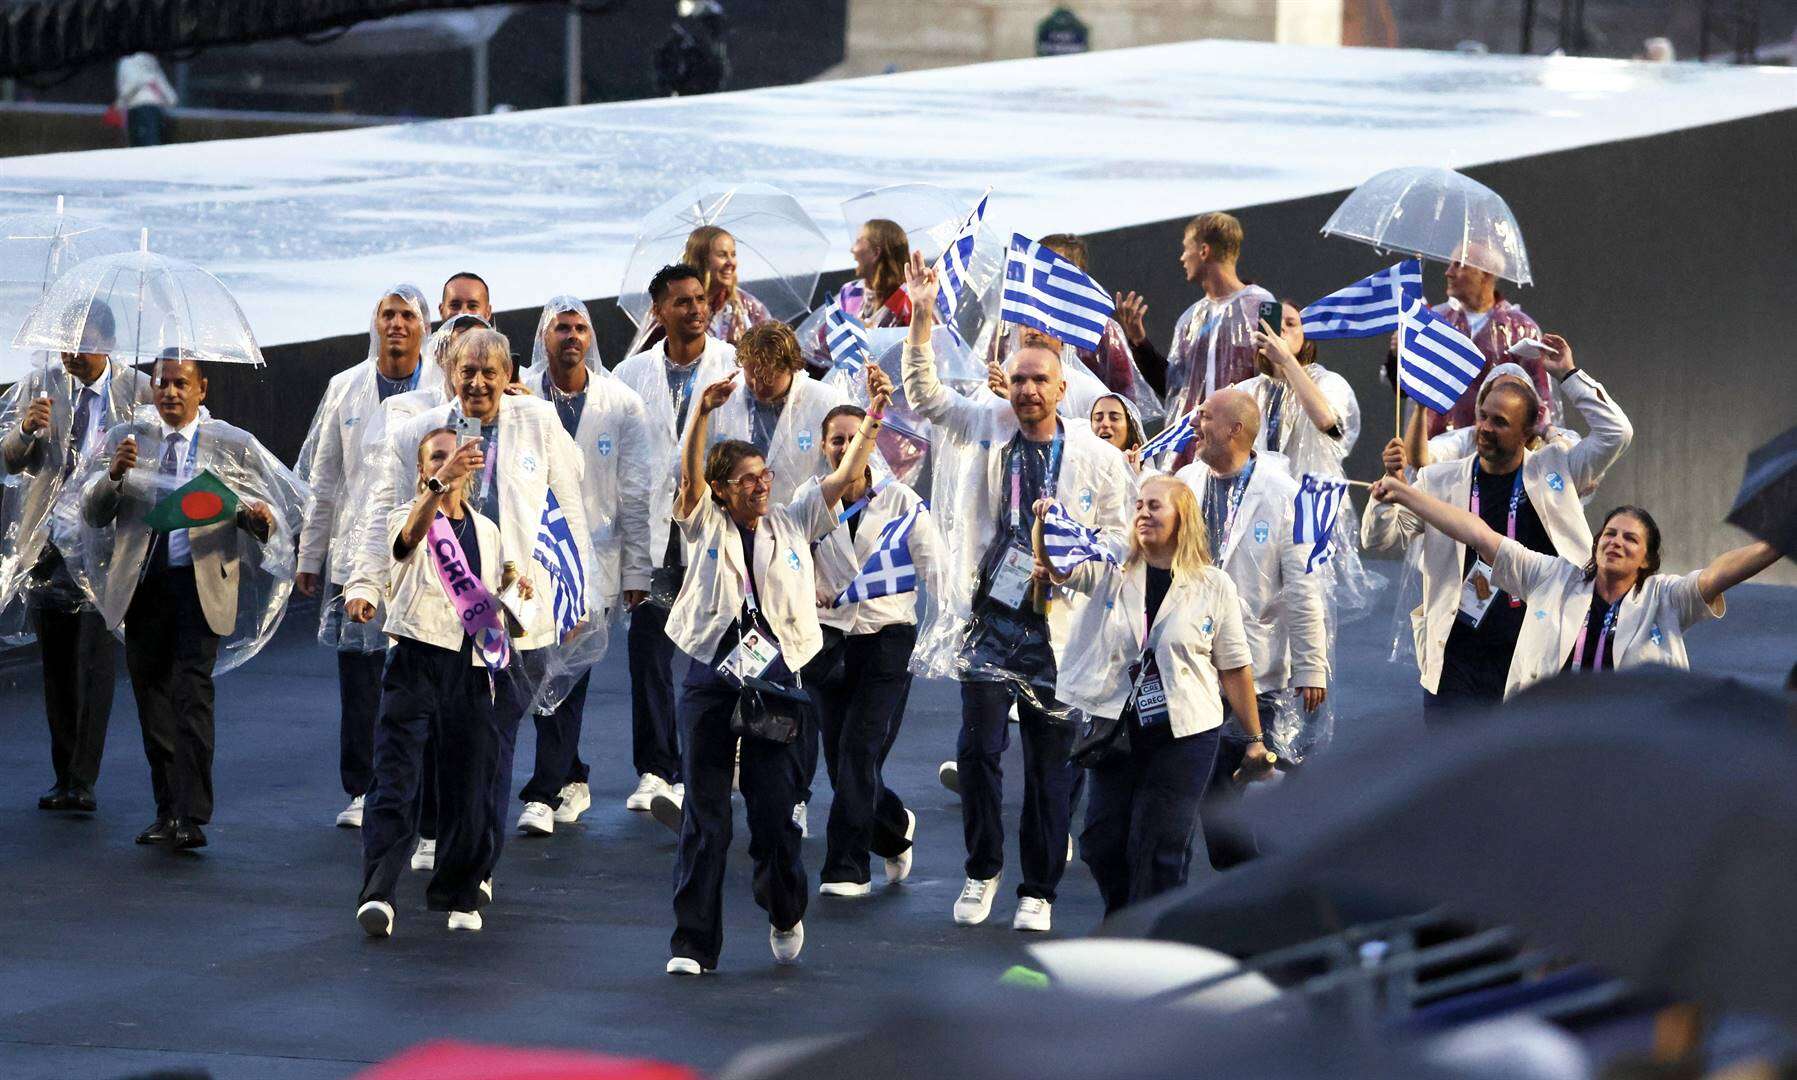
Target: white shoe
[(898, 868), (682, 965), (350, 817), (464, 920), (486, 889), (975, 901), (950, 774), (667, 807), (424, 857), (647, 787), (537, 819), (802, 818), (844, 888), (1033, 914), (376, 918), (786, 944), (576, 800), (1069, 847)]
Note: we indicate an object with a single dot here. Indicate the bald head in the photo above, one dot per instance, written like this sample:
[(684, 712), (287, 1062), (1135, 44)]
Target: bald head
[(1228, 422), (1237, 407)]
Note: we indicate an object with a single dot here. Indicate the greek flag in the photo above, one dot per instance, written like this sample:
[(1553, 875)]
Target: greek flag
[(1314, 511), (1367, 307), (846, 335), (889, 569), (1051, 294), (954, 268), (1436, 363), (1068, 542), (1173, 437), (560, 555)]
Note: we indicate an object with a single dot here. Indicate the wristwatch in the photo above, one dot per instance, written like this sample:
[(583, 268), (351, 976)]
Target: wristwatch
[(436, 486)]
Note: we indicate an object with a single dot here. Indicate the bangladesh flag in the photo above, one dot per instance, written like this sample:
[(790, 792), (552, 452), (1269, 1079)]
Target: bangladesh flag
[(201, 501)]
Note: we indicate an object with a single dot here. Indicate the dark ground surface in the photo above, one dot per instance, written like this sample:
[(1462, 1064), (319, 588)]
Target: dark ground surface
[(245, 959)]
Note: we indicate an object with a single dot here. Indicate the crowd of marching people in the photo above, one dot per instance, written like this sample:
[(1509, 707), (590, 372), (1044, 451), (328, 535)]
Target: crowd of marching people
[(1137, 561)]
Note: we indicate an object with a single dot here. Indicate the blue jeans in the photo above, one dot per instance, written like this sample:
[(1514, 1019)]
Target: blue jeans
[(1048, 786), (1141, 818)]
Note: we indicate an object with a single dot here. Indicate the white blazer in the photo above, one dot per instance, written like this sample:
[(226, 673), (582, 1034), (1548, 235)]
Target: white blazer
[(1650, 622), (617, 472), (840, 557), (418, 607), (1095, 485), (1282, 606), (795, 451), (646, 373), (1552, 478), (711, 597), (1197, 633)]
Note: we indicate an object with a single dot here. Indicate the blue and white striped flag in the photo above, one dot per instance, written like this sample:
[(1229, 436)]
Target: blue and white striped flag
[(560, 555), (1051, 294), (889, 569), (1436, 363), (1369, 306), (846, 335), (955, 267), (1069, 543), (1173, 437), (1314, 511)]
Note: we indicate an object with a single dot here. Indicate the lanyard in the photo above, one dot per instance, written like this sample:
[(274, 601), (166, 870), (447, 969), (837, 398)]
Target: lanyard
[(1275, 413), (1516, 495), (1048, 481), (1238, 486), (1603, 636), (860, 504)]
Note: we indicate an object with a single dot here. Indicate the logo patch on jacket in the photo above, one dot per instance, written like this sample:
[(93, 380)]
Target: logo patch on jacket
[(604, 445), (1209, 625), (792, 560), (1555, 481), (528, 463), (805, 441), (1656, 637), (350, 421), (1085, 499), (1261, 531)]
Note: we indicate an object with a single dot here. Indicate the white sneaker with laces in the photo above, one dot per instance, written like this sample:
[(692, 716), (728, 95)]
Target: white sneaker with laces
[(802, 818), (486, 889), (537, 819), (898, 868), (648, 786), (950, 774), (667, 807), (424, 857), (1069, 847), (376, 918), (975, 901), (684, 965), (576, 799), (845, 888), (1034, 914), (464, 920), (786, 943), (350, 817)]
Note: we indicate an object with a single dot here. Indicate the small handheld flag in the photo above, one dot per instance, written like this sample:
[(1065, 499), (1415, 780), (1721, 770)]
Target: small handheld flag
[(1436, 363), (1314, 511), (889, 569), (1173, 437), (955, 265), (1051, 294), (560, 555), (846, 335), (1369, 306), (1069, 543), (201, 501)]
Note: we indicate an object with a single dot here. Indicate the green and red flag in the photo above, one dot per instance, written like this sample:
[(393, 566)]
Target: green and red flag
[(201, 501)]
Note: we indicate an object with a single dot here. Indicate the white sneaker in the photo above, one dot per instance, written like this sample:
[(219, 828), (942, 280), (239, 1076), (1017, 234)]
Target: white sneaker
[(486, 889), (786, 944), (683, 965), (647, 787), (537, 819), (802, 818), (1070, 847), (376, 918), (667, 807), (425, 856), (898, 868), (975, 901), (576, 800), (1033, 914), (950, 774), (845, 888), (464, 920), (350, 817)]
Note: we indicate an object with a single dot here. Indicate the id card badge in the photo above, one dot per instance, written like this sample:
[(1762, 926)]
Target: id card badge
[(753, 655), (1476, 593), (1011, 578), (1151, 698)]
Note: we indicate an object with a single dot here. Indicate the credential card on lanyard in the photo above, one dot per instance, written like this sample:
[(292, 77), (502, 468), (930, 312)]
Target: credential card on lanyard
[(753, 655), (1011, 578), (1476, 593), (1150, 696)]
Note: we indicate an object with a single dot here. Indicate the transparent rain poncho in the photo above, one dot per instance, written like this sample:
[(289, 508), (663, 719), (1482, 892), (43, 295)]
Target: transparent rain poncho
[(35, 250), (1434, 213), (931, 218), (1213, 347), (905, 439), (113, 539)]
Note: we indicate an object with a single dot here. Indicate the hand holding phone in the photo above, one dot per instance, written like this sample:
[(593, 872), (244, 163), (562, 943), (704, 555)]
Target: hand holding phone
[(467, 427)]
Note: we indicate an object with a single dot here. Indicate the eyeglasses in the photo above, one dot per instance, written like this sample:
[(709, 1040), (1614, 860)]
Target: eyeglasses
[(764, 478)]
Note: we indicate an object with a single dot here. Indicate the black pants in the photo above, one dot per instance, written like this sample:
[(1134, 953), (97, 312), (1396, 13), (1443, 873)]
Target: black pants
[(1141, 817), (80, 658), (558, 748), (770, 786), (144, 124), (169, 651), (359, 697), (437, 698), (511, 697), (1229, 835), (1453, 706), (1048, 782), (859, 685), (654, 746)]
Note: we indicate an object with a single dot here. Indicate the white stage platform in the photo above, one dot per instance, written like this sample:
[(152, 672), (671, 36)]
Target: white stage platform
[(307, 228)]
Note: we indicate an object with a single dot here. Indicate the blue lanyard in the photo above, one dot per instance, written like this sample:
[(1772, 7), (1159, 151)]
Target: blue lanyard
[(861, 503), (1516, 496), (1238, 487), (1049, 481)]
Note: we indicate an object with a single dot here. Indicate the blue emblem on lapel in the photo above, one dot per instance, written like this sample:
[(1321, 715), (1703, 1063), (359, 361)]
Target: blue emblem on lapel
[(1261, 531), (805, 441), (985, 444), (528, 463), (1556, 481), (1656, 637), (604, 445), (1540, 613), (1085, 499), (792, 560), (711, 552), (350, 421), (1209, 625)]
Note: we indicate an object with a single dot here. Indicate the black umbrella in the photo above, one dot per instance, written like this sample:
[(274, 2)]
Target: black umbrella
[(1766, 505), (1642, 820)]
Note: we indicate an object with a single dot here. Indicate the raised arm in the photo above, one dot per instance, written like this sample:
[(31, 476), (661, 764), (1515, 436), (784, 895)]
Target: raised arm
[(1389, 526), (1454, 522), (692, 449), (954, 415), (1611, 431), (467, 459), (1731, 568), (1316, 406), (854, 463)]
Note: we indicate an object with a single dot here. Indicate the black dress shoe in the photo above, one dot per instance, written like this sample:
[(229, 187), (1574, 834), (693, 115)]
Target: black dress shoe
[(82, 799), (56, 798), (187, 836), (159, 832)]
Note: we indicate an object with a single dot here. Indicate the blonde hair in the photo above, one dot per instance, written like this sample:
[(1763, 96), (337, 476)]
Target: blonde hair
[(770, 345), (1219, 230), (1191, 546), (698, 253), (467, 483)]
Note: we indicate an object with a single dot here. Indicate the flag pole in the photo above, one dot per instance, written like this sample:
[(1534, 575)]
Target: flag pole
[(1397, 371)]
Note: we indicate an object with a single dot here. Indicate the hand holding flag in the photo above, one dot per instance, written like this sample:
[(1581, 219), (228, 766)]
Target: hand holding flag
[(1314, 512), (1068, 543)]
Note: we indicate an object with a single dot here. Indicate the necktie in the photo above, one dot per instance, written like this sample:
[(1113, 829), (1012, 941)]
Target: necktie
[(169, 466), (78, 427)]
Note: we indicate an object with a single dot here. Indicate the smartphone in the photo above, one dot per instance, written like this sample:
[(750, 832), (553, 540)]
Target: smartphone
[(1271, 313), (467, 427)]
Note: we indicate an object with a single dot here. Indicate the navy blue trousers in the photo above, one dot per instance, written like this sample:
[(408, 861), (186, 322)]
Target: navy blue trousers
[(1048, 786), (1142, 812), (859, 686)]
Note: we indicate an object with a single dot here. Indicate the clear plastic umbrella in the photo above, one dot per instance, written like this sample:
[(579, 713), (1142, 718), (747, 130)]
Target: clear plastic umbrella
[(142, 304), (1435, 213), (780, 250), (35, 250)]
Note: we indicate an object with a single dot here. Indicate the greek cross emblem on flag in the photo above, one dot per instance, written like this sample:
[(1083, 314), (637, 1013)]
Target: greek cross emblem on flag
[(1051, 294), (1173, 437), (1369, 306), (955, 265), (560, 555), (888, 569), (1069, 543), (1436, 363), (846, 335), (1314, 511)]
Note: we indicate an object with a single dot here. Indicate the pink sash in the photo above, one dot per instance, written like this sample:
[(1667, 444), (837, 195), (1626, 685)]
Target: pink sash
[(474, 605)]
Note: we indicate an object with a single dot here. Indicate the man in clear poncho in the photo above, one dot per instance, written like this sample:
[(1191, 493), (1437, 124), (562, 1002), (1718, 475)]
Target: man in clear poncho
[(186, 594), (333, 454), (51, 420)]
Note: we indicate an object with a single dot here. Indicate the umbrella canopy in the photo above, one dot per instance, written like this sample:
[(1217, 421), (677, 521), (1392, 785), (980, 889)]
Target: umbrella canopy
[(36, 249), (1435, 213), (136, 306), (780, 251), (1766, 505)]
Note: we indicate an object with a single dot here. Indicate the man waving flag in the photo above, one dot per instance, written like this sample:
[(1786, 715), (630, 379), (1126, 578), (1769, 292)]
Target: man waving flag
[(1051, 294)]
